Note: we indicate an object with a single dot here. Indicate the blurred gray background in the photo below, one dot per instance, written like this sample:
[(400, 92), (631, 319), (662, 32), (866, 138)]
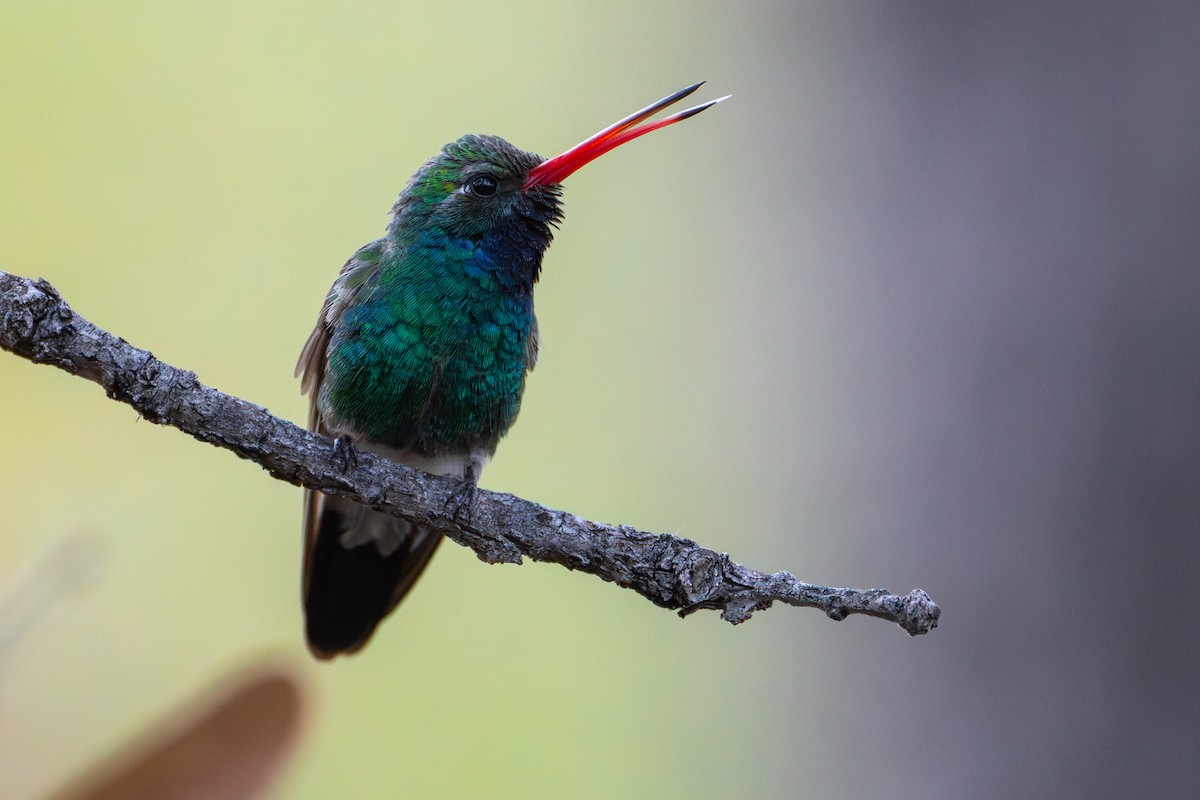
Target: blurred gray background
[(1012, 200)]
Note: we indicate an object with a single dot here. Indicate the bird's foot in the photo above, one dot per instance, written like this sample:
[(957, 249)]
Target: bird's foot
[(460, 501), (345, 454)]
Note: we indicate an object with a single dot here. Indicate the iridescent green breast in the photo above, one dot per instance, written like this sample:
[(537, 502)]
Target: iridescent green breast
[(434, 355)]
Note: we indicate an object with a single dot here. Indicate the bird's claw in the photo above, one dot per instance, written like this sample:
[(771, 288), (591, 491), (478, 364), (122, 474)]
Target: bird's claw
[(460, 501), (344, 453)]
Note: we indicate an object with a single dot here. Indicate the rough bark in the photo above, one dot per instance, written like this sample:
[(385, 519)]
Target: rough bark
[(672, 572)]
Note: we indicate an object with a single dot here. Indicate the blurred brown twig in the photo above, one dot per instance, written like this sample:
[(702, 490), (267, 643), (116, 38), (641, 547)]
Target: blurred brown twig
[(232, 742), (672, 572)]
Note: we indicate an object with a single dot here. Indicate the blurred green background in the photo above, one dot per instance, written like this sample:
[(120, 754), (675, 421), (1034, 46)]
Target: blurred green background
[(915, 308)]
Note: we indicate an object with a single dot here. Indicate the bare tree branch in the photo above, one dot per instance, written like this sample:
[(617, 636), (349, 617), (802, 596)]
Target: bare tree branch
[(37, 324)]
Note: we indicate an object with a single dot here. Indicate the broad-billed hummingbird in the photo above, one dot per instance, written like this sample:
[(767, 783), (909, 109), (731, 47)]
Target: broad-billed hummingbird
[(421, 351)]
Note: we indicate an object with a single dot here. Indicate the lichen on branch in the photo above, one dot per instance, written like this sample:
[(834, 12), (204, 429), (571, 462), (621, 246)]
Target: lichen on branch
[(669, 571)]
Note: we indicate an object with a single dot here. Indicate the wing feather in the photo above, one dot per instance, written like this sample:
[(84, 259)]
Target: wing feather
[(357, 275)]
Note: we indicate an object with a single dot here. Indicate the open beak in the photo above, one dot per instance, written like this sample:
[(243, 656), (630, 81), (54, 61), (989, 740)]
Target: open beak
[(556, 169)]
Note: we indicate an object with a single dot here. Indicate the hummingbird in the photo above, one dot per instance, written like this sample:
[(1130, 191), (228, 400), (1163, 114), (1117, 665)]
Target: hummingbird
[(421, 351)]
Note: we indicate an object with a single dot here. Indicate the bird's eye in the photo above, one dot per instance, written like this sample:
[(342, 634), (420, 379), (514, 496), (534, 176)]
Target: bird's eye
[(483, 186)]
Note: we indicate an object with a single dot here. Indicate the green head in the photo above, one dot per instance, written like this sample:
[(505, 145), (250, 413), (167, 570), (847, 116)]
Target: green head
[(474, 185), (482, 189)]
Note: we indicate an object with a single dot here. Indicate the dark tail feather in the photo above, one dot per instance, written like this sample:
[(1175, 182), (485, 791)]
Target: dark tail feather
[(349, 590)]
